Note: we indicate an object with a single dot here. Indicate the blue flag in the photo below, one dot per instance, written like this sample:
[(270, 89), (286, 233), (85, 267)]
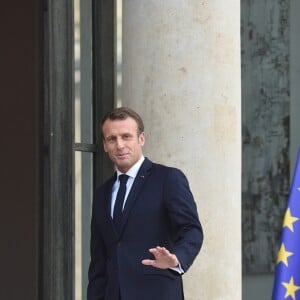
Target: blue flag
[(287, 273)]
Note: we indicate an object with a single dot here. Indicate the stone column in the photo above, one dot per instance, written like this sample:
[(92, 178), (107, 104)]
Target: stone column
[(181, 71)]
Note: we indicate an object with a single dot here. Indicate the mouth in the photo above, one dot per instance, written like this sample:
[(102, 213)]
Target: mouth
[(122, 156)]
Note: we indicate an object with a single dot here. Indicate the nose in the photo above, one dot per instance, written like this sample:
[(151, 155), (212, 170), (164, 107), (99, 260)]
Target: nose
[(120, 144)]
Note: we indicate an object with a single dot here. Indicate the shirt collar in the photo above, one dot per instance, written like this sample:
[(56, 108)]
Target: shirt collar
[(132, 172)]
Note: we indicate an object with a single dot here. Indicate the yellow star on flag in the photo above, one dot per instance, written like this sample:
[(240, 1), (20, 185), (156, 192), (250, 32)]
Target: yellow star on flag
[(291, 288), (283, 255), (289, 220)]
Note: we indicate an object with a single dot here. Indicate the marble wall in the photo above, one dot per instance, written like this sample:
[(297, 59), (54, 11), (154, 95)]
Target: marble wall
[(181, 71)]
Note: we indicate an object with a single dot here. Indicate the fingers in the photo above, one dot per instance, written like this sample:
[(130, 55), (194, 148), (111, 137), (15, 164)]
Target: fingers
[(148, 262), (160, 251), (163, 258)]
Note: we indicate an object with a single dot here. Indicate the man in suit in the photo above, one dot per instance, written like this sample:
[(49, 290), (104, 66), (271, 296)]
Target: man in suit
[(145, 230)]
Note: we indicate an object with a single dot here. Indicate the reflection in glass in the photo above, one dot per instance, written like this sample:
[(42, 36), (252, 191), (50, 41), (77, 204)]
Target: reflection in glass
[(83, 70), (83, 134), (118, 90), (83, 201)]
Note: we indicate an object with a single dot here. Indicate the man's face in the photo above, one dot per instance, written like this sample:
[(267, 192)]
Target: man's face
[(122, 142)]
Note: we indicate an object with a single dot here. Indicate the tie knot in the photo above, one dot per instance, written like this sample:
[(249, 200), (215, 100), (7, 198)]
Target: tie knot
[(123, 178)]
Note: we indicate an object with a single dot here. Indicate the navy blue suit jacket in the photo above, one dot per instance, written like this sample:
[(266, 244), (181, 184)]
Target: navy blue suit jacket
[(159, 211)]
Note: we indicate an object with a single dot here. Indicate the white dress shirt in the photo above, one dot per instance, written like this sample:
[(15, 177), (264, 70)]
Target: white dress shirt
[(132, 172)]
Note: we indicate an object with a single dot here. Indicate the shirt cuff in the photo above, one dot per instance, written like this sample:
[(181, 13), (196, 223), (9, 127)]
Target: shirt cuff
[(178, 269)]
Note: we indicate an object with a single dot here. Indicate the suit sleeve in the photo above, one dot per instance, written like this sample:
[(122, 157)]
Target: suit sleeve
[(97, 268), (185, 224)]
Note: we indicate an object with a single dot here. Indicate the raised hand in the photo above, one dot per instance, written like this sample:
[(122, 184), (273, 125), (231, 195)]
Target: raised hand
[(163, 259)]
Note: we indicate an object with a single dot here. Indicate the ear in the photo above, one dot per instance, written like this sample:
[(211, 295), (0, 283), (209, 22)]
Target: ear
[(142, 139)]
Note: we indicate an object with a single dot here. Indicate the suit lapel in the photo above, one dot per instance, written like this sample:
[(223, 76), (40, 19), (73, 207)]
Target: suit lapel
[(107, 202), (136, 188)]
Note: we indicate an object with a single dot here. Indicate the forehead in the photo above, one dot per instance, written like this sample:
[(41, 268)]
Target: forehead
[(119, 126)]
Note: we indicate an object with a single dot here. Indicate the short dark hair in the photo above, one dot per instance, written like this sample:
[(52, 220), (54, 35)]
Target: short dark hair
[(122, 113)]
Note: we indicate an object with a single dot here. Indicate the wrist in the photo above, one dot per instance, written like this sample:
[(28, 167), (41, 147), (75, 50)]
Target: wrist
[(176, 262)]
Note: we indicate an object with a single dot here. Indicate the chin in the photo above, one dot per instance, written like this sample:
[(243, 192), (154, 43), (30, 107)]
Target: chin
[(123, 166)]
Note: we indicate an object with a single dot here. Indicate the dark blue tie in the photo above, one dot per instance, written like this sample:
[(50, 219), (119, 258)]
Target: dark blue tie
[(118, 209)]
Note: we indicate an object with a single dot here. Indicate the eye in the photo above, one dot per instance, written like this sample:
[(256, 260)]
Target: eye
[(126, 136), (111, 139)]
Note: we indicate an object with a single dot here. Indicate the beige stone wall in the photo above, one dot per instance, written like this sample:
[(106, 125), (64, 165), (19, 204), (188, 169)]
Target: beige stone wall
[(181, 71)]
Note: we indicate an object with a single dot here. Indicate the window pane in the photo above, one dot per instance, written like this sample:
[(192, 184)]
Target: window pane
[(83, 70), (83, 201)]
